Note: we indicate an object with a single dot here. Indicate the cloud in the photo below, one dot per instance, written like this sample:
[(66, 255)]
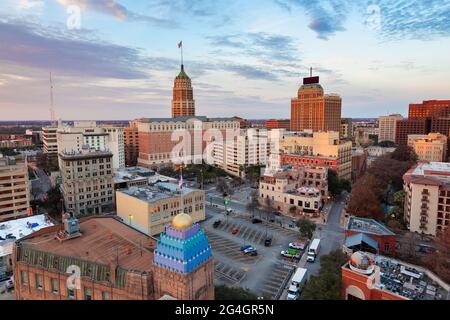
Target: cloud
[(115, 9), (259, 44), (30, 4), (399, 19), (327, 16), (415, 19), (250, 72), (38, 48)]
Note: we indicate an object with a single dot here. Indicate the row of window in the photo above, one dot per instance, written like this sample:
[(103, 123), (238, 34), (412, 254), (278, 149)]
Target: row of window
[(55, 287)]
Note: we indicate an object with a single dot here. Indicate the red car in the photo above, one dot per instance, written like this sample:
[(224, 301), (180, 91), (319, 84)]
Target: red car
[(234, 230)]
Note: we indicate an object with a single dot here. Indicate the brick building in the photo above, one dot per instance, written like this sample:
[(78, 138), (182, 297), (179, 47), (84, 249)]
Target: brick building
[(114, 262), (410, 126), (312, 109), (374, 277), (131, 144), (384, 240), (157, 144), (183, 103), (278, 124)]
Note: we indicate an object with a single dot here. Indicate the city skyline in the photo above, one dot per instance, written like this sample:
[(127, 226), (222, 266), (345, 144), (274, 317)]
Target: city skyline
[(122, 61)]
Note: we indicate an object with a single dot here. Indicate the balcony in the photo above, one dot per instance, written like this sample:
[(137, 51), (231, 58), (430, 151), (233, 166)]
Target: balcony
[(424, 213), (424, 207), (425, 200)]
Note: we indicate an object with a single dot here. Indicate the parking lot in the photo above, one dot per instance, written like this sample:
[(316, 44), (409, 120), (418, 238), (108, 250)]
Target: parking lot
[(265, 274)]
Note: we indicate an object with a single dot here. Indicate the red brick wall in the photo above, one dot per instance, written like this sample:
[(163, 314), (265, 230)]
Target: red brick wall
[(381, 240)]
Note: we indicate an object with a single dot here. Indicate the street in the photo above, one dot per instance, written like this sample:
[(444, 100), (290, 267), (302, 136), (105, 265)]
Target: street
[(42, 184)]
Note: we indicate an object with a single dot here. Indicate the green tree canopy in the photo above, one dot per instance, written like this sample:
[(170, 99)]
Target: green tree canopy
[(327, 284), (230, 293)]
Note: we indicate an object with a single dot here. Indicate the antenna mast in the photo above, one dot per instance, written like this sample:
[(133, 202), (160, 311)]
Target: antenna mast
[(52, 109)]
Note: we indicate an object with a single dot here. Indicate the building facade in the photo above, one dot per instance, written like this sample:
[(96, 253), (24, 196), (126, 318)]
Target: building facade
[(427, 199), (300, 191), (183, 103), (87, 135), (150, 209), (278, 124), (87, 182), (249, 147), (346, 128), (431, 147), (131, 144), (49, 140), (14, 188), (318, 148), (410, 126), (114, 262), (314, 110), (388, 125), (167, 141)]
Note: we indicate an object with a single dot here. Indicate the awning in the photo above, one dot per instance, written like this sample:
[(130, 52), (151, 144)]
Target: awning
[(359, 238)]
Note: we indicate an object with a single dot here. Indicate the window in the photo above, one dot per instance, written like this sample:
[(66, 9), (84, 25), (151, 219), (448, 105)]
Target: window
[(105, 295), (87, 293), (24, 277), (55, 285), (386, 247), (39, 281)]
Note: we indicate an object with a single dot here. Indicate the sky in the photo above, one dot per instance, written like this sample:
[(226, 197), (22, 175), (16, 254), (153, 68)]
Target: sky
[(117, 59)]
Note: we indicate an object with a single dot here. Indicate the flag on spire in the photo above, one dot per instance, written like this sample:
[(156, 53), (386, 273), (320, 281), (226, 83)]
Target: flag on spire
[(180, 45)]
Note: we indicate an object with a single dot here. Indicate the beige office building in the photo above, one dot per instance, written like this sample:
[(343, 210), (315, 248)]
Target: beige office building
[(427, 200), (49, 140), (324, 144), (14, 188), (87, 182), (431, 147), (388, 125), (151, 209)]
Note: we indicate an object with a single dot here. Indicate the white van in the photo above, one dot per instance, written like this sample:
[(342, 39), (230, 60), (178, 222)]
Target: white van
[(313, 250), (297, 283)]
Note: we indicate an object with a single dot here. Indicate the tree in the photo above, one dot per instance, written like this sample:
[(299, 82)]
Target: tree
[(387, 144), (229, 293), (254, 203), (222, 185), (306, 228), (364, 199), (439, 261), (47, 162), (327, 284), (337, 185), (404, 153), (53, 203)]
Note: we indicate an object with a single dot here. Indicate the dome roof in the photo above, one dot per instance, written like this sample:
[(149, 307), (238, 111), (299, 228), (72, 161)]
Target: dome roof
[(182, 221), (361, 261)]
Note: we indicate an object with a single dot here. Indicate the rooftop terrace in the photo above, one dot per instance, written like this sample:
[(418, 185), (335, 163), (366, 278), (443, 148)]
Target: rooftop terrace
[(365, 225)]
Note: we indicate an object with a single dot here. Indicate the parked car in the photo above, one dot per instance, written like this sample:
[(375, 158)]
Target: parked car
[(234, 230), (291, 254), (217, 223), (249, 249), (245, 247), (297, 245), (268, 242), (256, 220)]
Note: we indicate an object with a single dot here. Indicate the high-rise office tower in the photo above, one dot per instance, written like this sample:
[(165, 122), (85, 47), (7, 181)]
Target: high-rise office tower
[(183, 103), (314, 110)]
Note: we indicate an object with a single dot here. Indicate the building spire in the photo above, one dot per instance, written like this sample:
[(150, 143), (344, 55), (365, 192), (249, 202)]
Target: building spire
[(310, 72)]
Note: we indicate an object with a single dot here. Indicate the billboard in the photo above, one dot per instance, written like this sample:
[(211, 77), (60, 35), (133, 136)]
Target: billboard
[(310, 80)]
